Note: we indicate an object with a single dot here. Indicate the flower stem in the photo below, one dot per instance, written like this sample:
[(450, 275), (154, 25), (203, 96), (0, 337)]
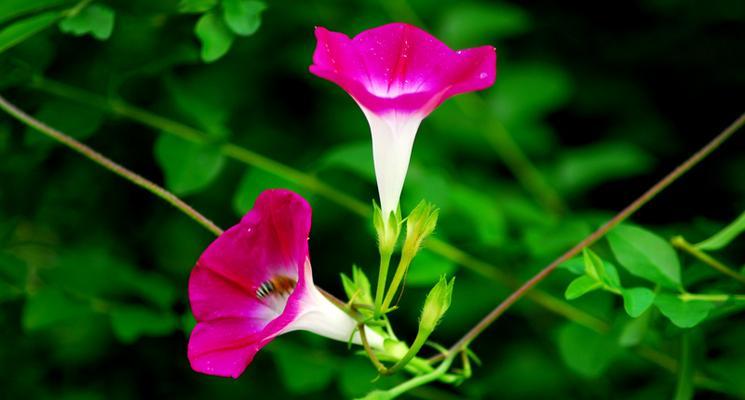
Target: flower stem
[(682, 244), (107, 163), (420, 380), (398, 276), (370, 352), (419, 341), (385, 261), (679, 171)]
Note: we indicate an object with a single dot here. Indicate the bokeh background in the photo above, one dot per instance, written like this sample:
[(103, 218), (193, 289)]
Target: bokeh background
[(593, 103)]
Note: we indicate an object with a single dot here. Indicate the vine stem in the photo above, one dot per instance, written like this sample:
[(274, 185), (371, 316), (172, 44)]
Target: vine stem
[(681, 243), (125, 173), (599, 233), (107, 163)]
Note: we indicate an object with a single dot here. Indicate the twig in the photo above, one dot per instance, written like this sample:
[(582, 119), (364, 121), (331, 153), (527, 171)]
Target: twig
[(599, 233), (107, 163)]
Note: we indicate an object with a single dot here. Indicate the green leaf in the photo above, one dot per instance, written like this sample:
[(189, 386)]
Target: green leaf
[(19, 31), (9, 292), (637, 300), (13, 276), (254, 182), (188, 322), (355, 157), (214, 35), (304, 370), (202, 105), (684, 314), (196, 6), (357, 377), (634, 331), (600, 269), (243, 17), (586, 351), (725, 236), (188, 167), (546, 241), (96, 19), (581, 286), (132, 322), (576, 265), (580, 169), (10, 9), (526, 91), (484, 213), (645, 255), (13, 270), (427, 268), (154, 288), (49, 307), (77, 121), (357, 288), (469, 23)]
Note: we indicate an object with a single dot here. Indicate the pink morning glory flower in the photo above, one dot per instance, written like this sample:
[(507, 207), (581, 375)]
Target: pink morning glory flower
[(398, 74), (254, 282)]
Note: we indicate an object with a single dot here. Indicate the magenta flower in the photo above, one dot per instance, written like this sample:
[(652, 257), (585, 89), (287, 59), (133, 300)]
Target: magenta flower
[(254, 282), (398, 74)]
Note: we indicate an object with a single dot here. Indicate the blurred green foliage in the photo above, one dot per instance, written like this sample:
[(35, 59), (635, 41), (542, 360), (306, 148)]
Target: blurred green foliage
[(93, 271)]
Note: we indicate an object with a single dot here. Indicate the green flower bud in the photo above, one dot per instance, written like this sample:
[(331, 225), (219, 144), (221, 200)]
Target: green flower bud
[(388, 229), (436, 304), (419, 225)]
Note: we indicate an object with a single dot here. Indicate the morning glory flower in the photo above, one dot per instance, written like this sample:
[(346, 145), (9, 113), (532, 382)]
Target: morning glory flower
[(254, 282), (398, 74)]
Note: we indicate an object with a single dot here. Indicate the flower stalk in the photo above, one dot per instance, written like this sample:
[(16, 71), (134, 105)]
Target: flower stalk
[(419, 225)]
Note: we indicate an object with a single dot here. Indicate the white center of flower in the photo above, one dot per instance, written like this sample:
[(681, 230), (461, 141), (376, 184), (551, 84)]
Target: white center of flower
[(390, 90), (274, 292)]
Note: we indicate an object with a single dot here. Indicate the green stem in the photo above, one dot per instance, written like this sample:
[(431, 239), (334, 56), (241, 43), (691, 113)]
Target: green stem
[(398, 276), (76, 9), (107, 163), (599, 233), (685, 389), (419, 341), (370, 352), (718, 298), (385, 261), (248, 157), (682, 244), (420, 380)]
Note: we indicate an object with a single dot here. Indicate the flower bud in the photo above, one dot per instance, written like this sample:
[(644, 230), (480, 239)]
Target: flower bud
[(436, 304), (419, 225), (388, 228)]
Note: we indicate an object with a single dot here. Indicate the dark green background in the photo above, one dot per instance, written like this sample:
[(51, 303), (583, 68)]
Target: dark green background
[(604, 99)]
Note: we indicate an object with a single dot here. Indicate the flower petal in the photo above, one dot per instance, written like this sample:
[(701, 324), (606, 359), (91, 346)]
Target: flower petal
[(399, 67), (272, 239), (224, 347), (233, 321)]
